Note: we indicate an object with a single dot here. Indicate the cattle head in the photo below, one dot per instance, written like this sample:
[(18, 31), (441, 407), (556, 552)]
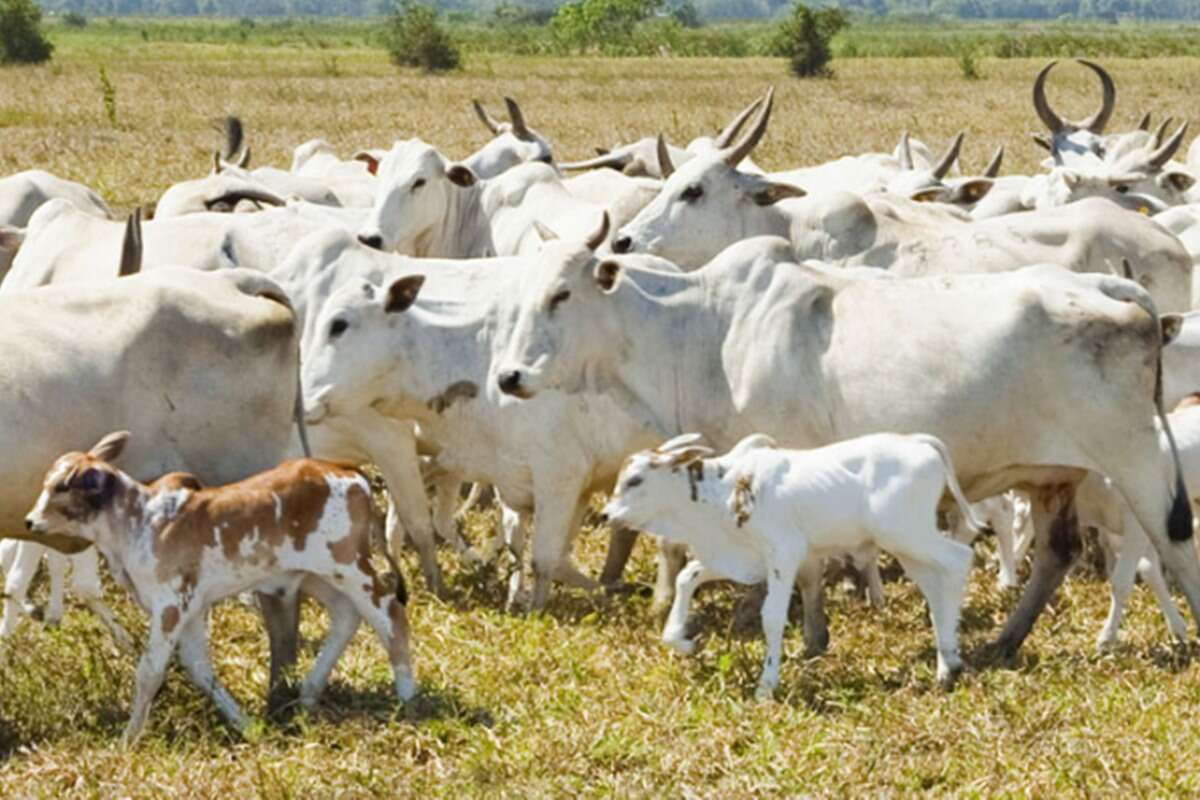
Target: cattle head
[(416, 191), (654, 482), (514, 143), (77, 489), (1075, 140), (930, 185), (707, 203), (345, 367)]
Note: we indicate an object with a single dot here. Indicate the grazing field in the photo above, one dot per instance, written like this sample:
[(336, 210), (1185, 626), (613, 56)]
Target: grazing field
[(583, 700)]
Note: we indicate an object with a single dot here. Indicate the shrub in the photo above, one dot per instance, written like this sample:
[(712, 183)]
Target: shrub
[(73, 19), (415, 39), (21, 38), (687, 15), (803, 38), (968, 65), (594, 24)]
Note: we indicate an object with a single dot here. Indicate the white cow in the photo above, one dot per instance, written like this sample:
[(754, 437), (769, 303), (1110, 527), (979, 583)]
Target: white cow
[(993, 365), (514, 143), (759, 513), (25, 192)]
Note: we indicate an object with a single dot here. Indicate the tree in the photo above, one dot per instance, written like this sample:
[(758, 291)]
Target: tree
[(587, 23), (414, 38), (804, 37), (21, 38)]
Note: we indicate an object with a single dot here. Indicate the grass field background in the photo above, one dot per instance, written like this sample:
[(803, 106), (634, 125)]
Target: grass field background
[(584, 701)]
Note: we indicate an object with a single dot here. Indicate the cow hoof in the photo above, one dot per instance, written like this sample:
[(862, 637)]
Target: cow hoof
[(764, 693), (681, 645), (948, 677)]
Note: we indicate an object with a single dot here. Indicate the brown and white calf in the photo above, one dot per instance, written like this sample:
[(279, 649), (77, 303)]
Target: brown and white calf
[(179, 548)]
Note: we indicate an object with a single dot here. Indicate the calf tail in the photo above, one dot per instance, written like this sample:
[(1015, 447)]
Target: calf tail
[(964, 507), (379, 534)]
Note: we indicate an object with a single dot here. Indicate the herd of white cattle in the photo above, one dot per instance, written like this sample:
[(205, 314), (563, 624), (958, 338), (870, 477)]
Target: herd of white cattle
[(861, 338)]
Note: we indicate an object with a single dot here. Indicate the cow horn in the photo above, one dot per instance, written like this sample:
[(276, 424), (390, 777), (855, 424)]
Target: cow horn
[(232, 198), (730, 131), (736, 154), (597, 238), (486, 118), (684, 440), (234, 138), (519, 128), (1126, 269), (614, 160), (1097, 122), (243, 160), (218, 165), (664, 158), (906, 159), (1161, 131), (950, 157), (131, 248), (1165, 153), (993, 167), (1040, 104), (1144, 124)]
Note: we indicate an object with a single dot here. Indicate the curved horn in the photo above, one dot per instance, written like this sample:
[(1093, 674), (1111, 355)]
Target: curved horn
[(1044, 111), (664, 158), (950, 157), (486, 118), (1096, 122), (906, 159), (1161, 131), (993, 167), (243, 160), (232, 198), (1144, 124), (234, 138), (684, 440), (1165, 153), (730, 131), (131, 248), (614, 160), (519, 128), (736, 154), (597, 238)]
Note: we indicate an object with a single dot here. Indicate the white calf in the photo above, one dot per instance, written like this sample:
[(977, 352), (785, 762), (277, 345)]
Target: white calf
[(761, 513), (1007, 515)]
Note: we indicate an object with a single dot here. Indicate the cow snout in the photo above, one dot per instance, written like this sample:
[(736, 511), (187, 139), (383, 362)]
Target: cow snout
[(29, 523), (604, 517), (510, 382), (374, 241), (622, 244)]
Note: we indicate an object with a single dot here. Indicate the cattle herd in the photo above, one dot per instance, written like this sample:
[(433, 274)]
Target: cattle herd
[(767, 370)]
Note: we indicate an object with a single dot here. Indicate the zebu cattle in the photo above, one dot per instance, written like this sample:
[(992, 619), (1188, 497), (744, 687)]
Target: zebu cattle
[(376, 360), (88, 359), (317, 158), (514, 143), (708, 204), (25, 192), (996, 366)]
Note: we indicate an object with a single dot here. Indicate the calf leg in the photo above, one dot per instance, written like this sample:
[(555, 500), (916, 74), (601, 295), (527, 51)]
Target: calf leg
[(387, 617), (1006, 554), (343, 622), (942, 579), (151, 669), (691, 578), (866, 562), (812, 595), (281, 617), (1150, 571), (620, 548), (85, 581), (780, 578), (193, 652), (58, 566), (1130, 548), (1057, 545), (16, 584), (670, 560)]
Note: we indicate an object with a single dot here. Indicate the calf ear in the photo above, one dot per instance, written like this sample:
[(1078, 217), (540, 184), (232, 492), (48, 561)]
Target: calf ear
[(1171, 325), (403, 293), (768, 193), (606, 274), (460, 175), (687, 455), (110, 447)]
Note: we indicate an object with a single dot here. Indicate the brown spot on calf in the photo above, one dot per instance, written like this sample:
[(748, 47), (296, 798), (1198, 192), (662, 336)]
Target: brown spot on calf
[(170, 618)]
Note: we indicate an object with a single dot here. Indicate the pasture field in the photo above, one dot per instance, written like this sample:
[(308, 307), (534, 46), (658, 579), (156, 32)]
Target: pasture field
[(583, 700)]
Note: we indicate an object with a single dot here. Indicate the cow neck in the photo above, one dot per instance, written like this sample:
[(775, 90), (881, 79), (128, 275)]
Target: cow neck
[(465, 231)]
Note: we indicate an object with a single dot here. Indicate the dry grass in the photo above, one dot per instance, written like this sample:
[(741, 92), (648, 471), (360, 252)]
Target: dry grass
[(583, 700)]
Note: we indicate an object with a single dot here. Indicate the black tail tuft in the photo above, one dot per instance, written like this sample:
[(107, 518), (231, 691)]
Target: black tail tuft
[(402, 587), (1179, 521)]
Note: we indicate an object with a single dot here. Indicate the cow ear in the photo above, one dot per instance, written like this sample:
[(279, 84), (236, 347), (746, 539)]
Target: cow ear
[(460, 175), (1171, 325), (972, 191), (110, 447), (606, 274), (1179, 180), (371, 161), (544, 232), (687, 455), (403, 293), (768, 193), (937, 194), (1071, 179)]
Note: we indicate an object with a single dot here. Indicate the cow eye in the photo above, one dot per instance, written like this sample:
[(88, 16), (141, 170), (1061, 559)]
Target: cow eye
[(1122, 189), (547, 159), (418, 183), (693, 192), (633, 483), (559, 299), (338, 328)]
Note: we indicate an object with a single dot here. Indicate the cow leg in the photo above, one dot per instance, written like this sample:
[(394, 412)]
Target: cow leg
[(558, 509), (866, 563), (620, 548), (281, 617), (669, 561), (343, 623), (1150, 571), (511, 528), (445, 512), (58, 566), (16, 584), (85, 581), (811, 579), (1006, 553), (193, 653), (691, 578), (1056, 546)]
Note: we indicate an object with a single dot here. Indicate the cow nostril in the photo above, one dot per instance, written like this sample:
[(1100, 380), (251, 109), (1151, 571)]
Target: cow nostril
[(28, 524), (510, 381), (603, 518), (623, 244), (375, 242)]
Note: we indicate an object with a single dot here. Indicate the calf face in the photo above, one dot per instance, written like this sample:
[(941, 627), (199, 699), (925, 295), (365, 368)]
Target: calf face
[(653, 481), (76, 489)]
